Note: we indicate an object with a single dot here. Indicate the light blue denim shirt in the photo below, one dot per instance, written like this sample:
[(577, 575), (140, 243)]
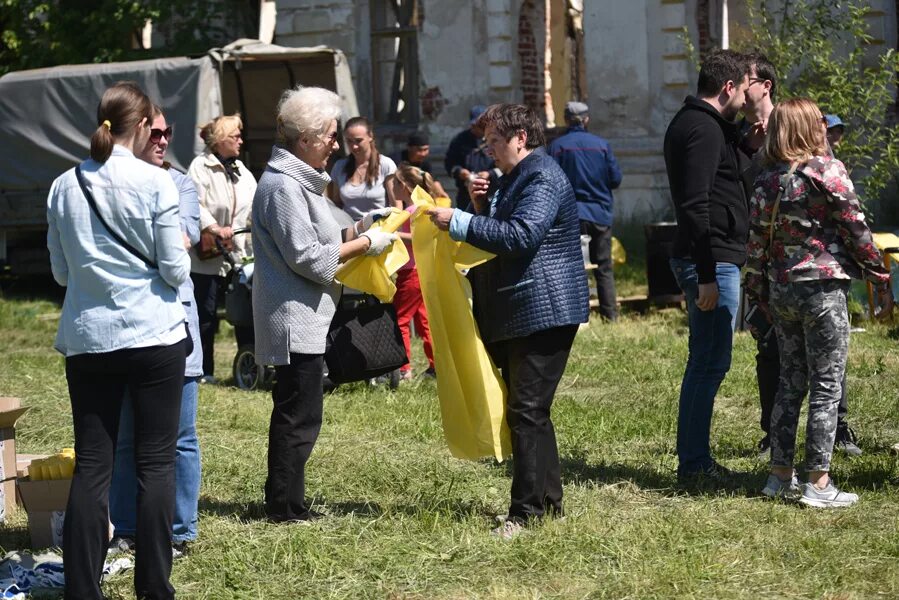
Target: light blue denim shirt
[(113, 299), (189, 207)]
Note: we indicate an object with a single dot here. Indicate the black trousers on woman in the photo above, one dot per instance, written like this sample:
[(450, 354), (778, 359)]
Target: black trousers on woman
[(209, 292), (152, 378), (295, 424), (532, 367)]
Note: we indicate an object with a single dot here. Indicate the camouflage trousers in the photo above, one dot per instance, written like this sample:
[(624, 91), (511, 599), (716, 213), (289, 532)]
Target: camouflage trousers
[(812, 325)]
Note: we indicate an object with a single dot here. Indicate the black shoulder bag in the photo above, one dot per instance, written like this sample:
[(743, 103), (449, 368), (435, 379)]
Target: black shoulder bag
[(90, 200)]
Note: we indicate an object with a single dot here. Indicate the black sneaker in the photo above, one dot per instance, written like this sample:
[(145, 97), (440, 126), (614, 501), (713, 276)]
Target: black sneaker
[(121, 544), (847, 442), (429, 373), (308, 519), (179, 550), (713, 473)]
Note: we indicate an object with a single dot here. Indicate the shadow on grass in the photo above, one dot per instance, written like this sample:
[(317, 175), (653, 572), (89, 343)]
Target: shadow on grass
[(576, 469), (244, 511), (869, 476), (459, 510)]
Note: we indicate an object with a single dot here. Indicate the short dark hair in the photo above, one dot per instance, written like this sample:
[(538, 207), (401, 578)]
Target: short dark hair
[(509, 119), (764, 69), (718, 68)]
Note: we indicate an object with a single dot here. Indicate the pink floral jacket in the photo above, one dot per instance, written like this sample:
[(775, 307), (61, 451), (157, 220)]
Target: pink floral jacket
[(819, 232)]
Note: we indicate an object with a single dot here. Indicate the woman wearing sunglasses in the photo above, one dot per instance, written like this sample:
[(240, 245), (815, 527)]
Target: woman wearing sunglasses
[(123, 493), (225, 188)]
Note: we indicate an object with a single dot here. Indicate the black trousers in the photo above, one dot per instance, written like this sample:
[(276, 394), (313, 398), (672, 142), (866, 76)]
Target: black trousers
[(209, 292), (532, 367), (767, 370), (152, 378), (600, 250), (295, 424), (207, 289)]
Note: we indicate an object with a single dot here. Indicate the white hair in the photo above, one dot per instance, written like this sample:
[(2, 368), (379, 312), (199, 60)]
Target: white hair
[(306, 110)]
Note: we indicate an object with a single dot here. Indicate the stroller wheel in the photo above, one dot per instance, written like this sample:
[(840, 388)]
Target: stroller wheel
[(247, 374)]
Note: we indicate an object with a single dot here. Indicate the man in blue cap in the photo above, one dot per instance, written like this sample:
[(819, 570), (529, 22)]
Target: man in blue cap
[(466, 157), (835, 129), (591, 168)]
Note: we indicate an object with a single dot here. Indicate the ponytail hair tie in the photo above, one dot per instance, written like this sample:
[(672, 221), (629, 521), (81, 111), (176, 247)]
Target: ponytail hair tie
[(107, 124)]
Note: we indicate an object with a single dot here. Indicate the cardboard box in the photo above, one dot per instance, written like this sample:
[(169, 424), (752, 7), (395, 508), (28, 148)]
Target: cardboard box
[(45, 502), (10, 411)]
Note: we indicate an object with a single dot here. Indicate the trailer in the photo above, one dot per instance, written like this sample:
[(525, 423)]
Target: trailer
[(48, 115)]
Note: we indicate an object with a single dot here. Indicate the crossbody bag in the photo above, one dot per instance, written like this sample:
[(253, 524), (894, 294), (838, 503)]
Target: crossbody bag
[(124, 243)]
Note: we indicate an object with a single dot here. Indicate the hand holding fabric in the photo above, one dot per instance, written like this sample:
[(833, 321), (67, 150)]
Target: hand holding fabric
[(371, 216), (380, 241)]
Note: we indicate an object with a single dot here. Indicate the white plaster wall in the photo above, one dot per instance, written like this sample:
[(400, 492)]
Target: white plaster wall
[(616, 47), (467, 50)]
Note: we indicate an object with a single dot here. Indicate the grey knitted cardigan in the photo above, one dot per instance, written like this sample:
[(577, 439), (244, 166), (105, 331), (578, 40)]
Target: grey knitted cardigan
[(297, 246)]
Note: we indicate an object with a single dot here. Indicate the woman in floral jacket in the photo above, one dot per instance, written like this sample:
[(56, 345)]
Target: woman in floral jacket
[(798, 271)]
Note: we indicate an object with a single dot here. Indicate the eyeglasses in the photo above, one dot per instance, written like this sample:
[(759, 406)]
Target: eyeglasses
[(156, 135), (754, 80), (328, 139)]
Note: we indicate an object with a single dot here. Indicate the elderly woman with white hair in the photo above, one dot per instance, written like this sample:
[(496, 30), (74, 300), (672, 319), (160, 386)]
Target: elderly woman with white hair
[(298, 246)]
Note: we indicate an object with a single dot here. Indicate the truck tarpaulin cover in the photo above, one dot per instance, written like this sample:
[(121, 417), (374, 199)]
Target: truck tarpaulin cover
[(51, 113)]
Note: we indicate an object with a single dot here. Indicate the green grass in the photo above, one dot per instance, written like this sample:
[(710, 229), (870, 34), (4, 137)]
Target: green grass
[(406, 520)]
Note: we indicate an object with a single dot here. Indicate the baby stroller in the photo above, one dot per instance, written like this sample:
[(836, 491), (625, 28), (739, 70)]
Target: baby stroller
[(364, 341), (239, 313)]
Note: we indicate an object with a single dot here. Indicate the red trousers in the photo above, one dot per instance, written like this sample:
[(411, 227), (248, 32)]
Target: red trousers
[(410, 305)]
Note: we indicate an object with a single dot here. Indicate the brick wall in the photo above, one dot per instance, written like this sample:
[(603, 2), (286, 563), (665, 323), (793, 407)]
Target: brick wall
[(531, 20), (703, 27)]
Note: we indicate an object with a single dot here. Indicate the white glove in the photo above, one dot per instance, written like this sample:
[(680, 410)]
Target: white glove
[(370, 217), (380, 241)]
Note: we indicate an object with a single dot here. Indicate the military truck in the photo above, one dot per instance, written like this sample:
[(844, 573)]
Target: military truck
[(48, 115)]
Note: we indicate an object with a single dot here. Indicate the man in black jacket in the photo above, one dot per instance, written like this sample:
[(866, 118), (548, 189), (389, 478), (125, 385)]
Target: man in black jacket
[(710, 247)]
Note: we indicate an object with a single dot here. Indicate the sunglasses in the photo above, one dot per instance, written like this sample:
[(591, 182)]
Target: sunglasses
[(156, 135)]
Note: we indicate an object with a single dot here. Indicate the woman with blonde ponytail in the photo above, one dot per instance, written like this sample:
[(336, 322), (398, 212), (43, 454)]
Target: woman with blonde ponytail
[(408, 300), (115, 243)]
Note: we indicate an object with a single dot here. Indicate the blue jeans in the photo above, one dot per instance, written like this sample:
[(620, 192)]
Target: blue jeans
[(123, 491), (711, 338)]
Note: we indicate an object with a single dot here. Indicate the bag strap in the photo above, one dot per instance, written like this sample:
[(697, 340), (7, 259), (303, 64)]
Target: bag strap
[(112, 232), (780, 192)]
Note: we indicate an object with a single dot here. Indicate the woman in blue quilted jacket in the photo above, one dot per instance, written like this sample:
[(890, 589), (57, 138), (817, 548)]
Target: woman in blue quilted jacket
[(529, 300)]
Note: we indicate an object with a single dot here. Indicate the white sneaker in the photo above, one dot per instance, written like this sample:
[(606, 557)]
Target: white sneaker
[(829, 497), (508, 530), (776, 487)]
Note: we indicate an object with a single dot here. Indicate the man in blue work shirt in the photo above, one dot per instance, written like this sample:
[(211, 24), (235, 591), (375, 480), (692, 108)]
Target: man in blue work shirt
[(593, 171)]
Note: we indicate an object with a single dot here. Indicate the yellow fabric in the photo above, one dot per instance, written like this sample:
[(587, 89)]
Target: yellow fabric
[(470, 389), (372, 274), (619, 256), (887, 240)]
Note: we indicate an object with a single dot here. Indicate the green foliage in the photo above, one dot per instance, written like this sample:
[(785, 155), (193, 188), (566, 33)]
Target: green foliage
[(824, 50), (36, 33)]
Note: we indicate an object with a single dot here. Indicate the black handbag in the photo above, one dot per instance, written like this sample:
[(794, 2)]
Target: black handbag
[(189, 341), (364, 340)]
